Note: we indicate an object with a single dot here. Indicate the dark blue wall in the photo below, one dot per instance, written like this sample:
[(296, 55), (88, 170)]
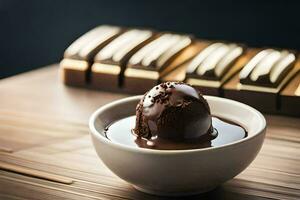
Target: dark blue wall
[(35, 33)]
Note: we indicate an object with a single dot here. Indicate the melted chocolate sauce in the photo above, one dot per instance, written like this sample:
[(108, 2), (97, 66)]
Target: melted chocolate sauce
[(224, 132)]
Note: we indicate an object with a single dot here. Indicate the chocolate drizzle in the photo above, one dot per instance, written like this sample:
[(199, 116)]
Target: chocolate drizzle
[(173, 111)]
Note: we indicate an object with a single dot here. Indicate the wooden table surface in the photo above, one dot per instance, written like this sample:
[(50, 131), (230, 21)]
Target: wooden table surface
[(46, 151)]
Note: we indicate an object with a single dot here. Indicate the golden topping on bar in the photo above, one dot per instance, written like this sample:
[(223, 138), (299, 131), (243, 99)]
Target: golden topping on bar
[(160, 52), (85, 47), (268, 68), (214, 61), (118, 49)]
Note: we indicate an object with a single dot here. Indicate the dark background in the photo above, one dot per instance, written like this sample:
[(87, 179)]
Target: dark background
[(35, 33)]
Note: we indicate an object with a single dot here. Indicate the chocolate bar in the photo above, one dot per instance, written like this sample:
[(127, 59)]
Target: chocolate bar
[(259, 82), (110, 62), (151, 63), (290, 95), (75, 66), (211, 67)]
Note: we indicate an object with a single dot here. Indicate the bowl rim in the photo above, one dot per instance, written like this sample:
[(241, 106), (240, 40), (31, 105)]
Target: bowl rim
[(99, 136)]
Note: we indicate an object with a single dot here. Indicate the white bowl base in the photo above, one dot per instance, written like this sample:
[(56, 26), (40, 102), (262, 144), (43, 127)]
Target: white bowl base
[(170, 194)]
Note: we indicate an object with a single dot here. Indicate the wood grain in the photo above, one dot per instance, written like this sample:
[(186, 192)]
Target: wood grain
[(35, 173), (44, 134)]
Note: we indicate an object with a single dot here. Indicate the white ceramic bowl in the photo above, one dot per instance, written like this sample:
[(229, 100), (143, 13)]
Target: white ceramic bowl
[(179, 172)]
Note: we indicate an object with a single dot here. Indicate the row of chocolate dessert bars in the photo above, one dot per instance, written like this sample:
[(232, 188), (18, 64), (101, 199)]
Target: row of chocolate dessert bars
[(134, 60)]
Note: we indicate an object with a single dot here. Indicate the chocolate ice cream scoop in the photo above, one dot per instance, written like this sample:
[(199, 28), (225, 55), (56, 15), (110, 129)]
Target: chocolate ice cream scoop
[(173, 111)]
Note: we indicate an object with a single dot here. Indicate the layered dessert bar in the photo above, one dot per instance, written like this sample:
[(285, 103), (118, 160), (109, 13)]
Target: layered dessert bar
[(262, 78), (147, 67), (211, 67), (111, 61), (290, 95), (78, 57)]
